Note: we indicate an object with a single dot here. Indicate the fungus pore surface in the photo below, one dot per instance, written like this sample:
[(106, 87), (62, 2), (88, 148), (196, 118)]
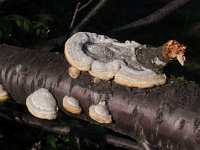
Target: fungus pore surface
[(106, 58)]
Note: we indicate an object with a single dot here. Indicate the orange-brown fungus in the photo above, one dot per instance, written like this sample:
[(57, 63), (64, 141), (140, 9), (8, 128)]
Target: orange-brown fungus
[(174, 50)]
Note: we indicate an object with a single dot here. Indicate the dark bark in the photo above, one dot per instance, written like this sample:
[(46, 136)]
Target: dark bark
[(12, 111), (49, 45), (167, 116), (147, 54)]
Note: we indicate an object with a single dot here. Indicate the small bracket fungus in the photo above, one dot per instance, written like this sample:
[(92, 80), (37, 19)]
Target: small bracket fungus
[(174, 50), (97, 80), (71, 105), (100, 113), (3, 94), (74, 72), (42, 104), (107, 59)]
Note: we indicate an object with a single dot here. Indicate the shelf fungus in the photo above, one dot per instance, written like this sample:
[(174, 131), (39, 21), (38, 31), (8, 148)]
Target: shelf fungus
[(74, 72), (42, 104), (130, 64), (71, 105), (3, 94), (100, 113), (96, 80)]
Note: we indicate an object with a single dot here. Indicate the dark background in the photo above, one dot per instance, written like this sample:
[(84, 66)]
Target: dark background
[(26, 23)]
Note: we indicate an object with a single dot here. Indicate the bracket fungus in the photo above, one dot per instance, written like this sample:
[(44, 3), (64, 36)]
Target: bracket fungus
[(106, 58), (96, 80), (42, 104), (3, 94), (71, 105), (74, 72), (100, 113)]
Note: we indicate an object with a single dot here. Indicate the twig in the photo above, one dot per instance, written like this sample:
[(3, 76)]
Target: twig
[(7, 111), (74, 16), (89, 16), (155, 16), (78, 143), (78, 9), (85, 5)]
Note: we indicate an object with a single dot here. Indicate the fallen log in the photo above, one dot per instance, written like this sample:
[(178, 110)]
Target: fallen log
[(166, 116)]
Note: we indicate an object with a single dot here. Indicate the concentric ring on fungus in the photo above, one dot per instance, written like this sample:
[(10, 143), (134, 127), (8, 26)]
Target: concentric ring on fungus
[(3, 94), (106, 59), (71, 105), (100, 113), (42, 104)]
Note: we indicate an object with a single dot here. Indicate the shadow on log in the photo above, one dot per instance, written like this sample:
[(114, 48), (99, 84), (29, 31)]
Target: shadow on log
[(13, 111), (166, 116)]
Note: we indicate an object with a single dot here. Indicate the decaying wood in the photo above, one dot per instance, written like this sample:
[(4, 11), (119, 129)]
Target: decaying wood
[(166, 116)]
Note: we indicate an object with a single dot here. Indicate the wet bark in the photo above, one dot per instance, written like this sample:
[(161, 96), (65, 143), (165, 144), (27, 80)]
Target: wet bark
[(166, 116)]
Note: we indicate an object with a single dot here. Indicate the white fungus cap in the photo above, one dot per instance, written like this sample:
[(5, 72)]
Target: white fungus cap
[(42, 104)]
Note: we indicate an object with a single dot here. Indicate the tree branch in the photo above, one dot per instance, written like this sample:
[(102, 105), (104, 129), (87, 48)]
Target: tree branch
[(7, 111), (166, 116), (85, 5), (88, 16), (155, 16), (78, 9), (74, 16)]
